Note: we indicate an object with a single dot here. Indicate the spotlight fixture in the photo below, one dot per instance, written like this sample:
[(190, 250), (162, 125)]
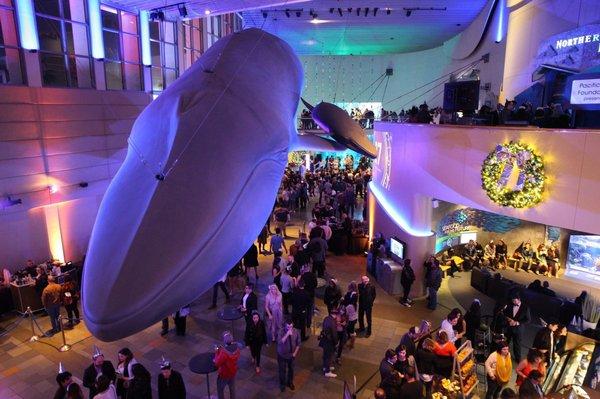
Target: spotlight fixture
[(153, 16), (206, 12), (298, 13), (83, 184), (53, 189), (331, 10), (315, 16), (182, 11), (375, 11), (366, 11), (340, 12), (408, 13), (349, 9), (161, 15), (358, 11), (287, 13), (264, 13), (388, 11)]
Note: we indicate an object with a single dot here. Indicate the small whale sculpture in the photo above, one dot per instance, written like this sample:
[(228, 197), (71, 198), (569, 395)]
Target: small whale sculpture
[(204, 163)]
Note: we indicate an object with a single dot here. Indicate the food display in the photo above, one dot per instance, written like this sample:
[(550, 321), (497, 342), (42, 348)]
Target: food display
[(464, 369), (570, 369)]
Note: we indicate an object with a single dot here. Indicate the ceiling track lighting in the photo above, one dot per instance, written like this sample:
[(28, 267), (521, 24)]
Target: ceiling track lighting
[(388, 11), (349, 9), (366, 11), (331, 10), (358, 11), (158, 14), (410, 10), (340, 12), (298, 13), (408, 13), (265, 14), (287, 13), (375, 11)]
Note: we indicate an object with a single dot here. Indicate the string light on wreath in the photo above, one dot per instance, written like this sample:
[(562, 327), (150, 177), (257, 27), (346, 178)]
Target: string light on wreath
[(513, 175)]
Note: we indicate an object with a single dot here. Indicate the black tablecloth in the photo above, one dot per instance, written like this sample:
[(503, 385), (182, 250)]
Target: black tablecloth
[(6, 301)]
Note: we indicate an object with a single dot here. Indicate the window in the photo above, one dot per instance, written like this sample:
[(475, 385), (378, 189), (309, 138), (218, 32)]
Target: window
[(193, 47), (10, 56), (163, 52), (213, 30), (122, 67), (63, 36)]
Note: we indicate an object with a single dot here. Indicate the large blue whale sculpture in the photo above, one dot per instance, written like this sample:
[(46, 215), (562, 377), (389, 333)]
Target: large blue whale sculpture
[(203, 167)]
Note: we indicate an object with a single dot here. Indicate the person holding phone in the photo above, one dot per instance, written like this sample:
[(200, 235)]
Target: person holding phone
[(288, 345)]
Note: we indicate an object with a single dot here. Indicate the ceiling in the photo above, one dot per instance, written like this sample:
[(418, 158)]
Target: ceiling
[(340, 35), (366, 35)]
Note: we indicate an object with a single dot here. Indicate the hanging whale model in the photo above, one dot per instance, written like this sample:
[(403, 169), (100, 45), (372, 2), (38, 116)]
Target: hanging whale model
[(204, 163)]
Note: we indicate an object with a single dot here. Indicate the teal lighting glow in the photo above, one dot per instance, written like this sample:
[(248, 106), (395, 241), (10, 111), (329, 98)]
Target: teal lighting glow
[(394, 213), (500, 21), (145, 37), (96, 29), (27, 26)]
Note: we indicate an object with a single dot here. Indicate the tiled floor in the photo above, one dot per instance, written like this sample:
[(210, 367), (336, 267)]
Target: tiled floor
[(28, 369)]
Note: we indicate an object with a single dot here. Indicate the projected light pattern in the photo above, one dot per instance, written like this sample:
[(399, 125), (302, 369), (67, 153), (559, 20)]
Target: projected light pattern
[(395, 213)]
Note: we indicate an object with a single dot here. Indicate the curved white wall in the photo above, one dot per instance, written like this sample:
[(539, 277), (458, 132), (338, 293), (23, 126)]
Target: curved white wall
[(445, 162)]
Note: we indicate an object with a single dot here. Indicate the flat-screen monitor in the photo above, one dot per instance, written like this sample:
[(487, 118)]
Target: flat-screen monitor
[(397, 248), (468, 236), (583, 258)]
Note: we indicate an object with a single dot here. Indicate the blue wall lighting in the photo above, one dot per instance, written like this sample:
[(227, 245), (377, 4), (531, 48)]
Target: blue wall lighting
[(394, 213), (96, 29), (145, 37), (500, 21), (27, 26)]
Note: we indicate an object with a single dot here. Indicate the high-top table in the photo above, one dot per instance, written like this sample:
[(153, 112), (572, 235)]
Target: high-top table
[(229, 313), (204, 364)]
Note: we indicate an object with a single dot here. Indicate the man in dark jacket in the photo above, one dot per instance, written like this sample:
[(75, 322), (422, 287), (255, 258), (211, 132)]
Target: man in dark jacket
[(516, 315), (407, 278), (366, 297), (328, 341), (391, 380), (249, 302), (301, 303), (98, 366), (532, 386), (170, 382), (310, 286), (544, 340), (332, 295), (433, 281)]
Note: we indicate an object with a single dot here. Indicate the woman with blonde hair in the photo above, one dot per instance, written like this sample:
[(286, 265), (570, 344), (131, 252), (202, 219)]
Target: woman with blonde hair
[(274, 310)]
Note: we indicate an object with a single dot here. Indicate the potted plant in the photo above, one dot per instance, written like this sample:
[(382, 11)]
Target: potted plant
[(590, 310)]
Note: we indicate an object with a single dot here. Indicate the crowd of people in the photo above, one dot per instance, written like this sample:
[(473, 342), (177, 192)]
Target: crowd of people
[(129, 380)]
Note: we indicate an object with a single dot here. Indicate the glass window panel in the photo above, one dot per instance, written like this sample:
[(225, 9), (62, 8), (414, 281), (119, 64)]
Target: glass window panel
[(49, 35), (110, 18), (10, 67), (79, 70), (8, 33), (77, 41), (53, 71), (133, 77), (131, 49), (170, 76), (154, 30), (129, 22), (155, 53), (187, 36), (170, 56), (157, 79), (114, 77), (169, 32), (187, 58), (74, 10), (197, 40), (48, 7), (112, 45), (197, 54)]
